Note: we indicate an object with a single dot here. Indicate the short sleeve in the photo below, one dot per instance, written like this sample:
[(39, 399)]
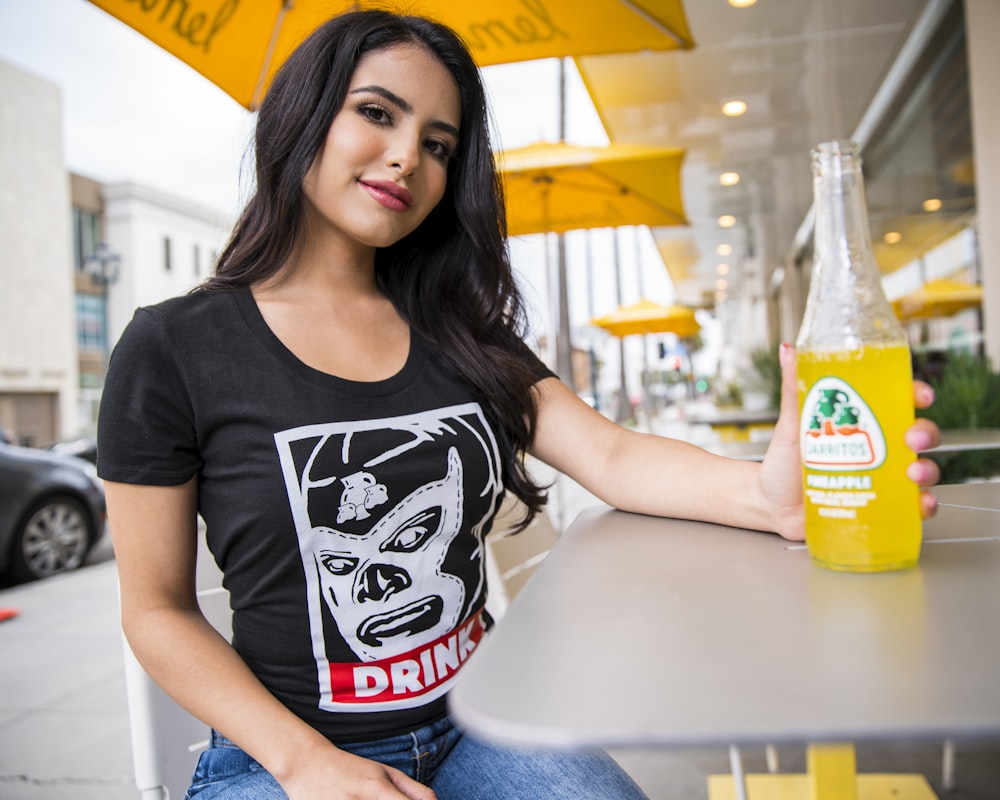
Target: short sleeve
[(146, 432), (533, 362)]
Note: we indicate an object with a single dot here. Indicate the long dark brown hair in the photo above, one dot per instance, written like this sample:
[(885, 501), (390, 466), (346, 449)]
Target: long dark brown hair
[(450, 279)]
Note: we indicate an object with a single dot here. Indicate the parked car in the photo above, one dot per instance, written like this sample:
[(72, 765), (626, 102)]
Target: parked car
[(52, 511), (85, 447)]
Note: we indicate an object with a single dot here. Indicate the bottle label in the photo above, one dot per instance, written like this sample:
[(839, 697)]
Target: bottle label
[(839, 432)]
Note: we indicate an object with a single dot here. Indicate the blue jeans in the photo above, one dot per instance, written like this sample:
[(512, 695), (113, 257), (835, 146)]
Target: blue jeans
[(455, 765)]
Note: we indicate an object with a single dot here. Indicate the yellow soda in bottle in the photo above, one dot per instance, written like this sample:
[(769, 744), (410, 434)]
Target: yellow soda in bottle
[(862, 513), (855, 389)]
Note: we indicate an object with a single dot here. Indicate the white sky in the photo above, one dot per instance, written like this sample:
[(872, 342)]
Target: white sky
[(133, 112)]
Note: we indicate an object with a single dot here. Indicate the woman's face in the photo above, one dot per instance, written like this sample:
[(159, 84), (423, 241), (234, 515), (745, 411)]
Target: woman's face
[(384, 164)]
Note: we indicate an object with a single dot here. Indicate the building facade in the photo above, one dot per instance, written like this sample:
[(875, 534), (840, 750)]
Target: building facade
[(38, 361), (152, 246), (76, 258)]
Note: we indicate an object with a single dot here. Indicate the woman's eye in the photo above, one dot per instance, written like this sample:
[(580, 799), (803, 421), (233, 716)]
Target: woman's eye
[(376, 114), (439, 149), (337, 564), (413, 533)]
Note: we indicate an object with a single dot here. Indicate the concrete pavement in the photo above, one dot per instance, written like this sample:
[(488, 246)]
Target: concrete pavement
[(63, 715)]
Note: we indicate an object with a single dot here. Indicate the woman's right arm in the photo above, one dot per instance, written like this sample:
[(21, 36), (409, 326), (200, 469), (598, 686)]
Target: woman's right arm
[(154, 532)]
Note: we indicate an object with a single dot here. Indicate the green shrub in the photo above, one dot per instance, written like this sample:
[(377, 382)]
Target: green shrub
[(767, 377), (966, 395)]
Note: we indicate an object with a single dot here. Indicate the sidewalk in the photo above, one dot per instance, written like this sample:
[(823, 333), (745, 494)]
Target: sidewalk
[(63, 716)]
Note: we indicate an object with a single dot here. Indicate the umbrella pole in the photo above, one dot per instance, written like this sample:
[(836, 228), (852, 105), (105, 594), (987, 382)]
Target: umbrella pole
[(564, 353), (624, 410), (644, 379), (589, 264), (560, 305)]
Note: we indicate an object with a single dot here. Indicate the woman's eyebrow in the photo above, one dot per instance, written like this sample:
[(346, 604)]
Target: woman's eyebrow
[(381, 91), (400, 103)]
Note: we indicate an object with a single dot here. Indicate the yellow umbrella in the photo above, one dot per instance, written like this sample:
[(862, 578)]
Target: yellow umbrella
[(238, 44), (941, 298), (562, 187), (649, 317)]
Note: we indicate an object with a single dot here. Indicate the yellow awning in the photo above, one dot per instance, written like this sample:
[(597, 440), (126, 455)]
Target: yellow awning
[(239, 45), (649, 317), (941, 298), (631, 91), (561, 187)]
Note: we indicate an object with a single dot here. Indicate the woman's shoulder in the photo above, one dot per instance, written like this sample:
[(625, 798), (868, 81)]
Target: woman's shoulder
[(189, 311), (182, 322), (193, 304), (515, 344)]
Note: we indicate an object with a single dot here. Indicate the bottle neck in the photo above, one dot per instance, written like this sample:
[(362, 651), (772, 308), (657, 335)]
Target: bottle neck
[(846, 307), (842, 238)]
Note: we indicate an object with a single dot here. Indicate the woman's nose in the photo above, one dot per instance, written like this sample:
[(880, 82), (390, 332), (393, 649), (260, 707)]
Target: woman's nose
[(404, 154)]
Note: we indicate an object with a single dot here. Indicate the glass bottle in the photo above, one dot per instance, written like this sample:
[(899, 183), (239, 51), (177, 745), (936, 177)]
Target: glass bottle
[(855, 388)]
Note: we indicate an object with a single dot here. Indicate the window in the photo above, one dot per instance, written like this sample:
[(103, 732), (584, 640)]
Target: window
[(90, 316), (86, 235), (923, 152)]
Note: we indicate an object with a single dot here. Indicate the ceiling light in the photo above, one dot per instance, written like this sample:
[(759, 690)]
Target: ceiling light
[(932, 204), (722, 269), (724, 249), (720, 297), (741, 3), (734, 108), (722, 284), (729, 178), (727, 221), (893, 237)]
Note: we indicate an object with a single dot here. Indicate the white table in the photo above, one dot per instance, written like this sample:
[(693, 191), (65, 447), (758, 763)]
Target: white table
[(639, 631), (736, 425)]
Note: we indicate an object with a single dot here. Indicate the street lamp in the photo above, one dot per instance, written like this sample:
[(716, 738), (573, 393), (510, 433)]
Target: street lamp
[(103, 267)]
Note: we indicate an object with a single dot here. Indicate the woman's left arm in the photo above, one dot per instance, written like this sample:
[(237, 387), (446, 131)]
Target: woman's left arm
[(656, 475)]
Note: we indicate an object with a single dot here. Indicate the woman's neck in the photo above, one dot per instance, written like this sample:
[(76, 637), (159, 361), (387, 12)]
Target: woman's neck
[(332, 317), (329, 271)]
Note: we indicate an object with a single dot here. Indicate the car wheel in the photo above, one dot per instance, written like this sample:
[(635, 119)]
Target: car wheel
[(53, 538)]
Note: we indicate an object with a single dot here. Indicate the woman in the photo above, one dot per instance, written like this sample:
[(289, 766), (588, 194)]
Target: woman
[(345, 403)]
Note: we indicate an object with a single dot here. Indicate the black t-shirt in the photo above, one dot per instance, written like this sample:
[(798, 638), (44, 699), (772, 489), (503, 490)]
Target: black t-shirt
[(347, 517)]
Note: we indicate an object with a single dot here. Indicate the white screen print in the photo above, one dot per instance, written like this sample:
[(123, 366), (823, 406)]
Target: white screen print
[(390, 516)]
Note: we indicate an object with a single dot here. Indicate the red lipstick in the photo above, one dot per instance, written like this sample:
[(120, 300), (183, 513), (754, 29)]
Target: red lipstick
[(389, 194)]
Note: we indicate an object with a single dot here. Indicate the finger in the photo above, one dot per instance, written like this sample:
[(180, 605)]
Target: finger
[(409, 787), (922, 435), (923, 394), (923, 472), (928, 505), (789, 410)]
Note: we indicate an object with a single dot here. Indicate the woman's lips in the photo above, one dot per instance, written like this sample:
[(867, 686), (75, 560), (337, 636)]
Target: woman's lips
[(388, 194)]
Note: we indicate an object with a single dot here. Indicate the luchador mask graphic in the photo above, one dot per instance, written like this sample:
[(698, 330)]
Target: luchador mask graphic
[(386, 586), (390, 515)]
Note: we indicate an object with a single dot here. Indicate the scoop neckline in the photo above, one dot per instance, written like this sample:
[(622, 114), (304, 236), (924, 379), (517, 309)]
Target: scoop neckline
[(262, 332)]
